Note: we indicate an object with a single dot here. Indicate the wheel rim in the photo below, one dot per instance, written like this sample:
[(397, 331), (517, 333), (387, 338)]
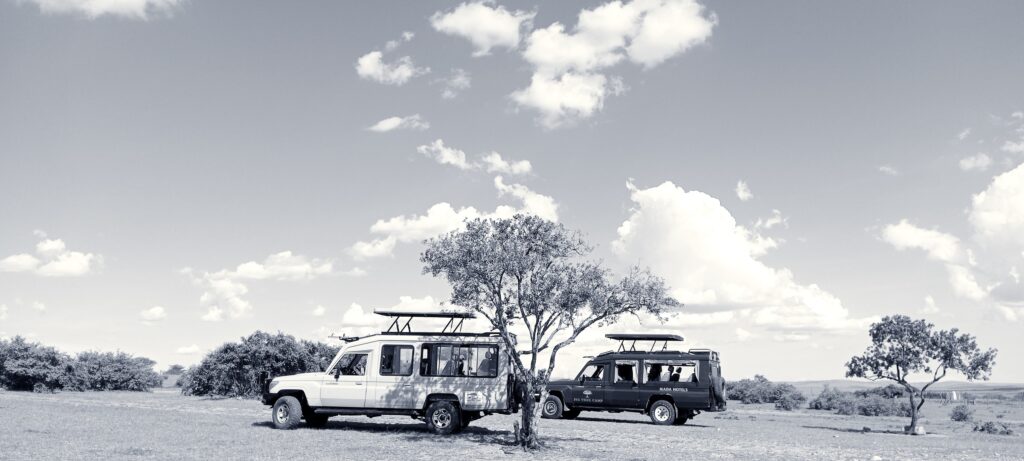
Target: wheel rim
[(550, 407), (282, 413), (441, 418), (661, 413)]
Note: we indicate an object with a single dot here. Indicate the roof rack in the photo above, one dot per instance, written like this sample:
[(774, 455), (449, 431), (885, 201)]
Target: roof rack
[(634, 337), (346, 338), (454, 325)]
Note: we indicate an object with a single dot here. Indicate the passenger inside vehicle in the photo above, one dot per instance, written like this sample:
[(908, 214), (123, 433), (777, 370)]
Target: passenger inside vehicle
[(624, 373), (675, 374)]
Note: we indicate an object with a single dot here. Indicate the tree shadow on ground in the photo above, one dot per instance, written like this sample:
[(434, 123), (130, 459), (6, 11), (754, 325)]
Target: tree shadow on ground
[(623, 421), (854, 430)]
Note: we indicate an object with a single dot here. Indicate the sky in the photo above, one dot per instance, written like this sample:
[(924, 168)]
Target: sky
[(177, 174)]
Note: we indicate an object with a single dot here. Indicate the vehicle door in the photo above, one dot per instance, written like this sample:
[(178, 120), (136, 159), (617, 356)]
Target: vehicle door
[(345, 385), (679, 378), (393, 384), (589, 390), (624, 391)]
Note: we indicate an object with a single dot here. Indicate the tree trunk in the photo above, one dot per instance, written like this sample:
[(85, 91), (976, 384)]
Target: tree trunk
[(912, 429), (526, 434)]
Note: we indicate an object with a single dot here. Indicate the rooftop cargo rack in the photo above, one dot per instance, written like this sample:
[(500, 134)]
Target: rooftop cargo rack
[(622, 338), (401, 325)]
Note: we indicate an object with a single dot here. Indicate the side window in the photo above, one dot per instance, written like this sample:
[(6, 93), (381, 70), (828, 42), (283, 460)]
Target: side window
[(459, 360), (592, 372), (670, 371), (625, 371), (396, 360), (351, 365)]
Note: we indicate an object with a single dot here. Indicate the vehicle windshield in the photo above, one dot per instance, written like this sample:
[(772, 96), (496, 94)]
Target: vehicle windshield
[(351, 365)]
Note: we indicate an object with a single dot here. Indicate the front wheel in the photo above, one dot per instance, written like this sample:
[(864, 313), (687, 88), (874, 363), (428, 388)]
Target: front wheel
[(663, 413), (443, 417), (286, 413), (552, 407)]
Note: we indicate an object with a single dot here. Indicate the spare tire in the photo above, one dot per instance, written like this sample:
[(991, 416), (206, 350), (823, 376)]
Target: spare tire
[(718, 392)]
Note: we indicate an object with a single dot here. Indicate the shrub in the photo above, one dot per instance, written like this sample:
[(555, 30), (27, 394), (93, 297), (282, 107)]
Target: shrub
[(111, 371), (961, 413), (990, 427), (233, 369), (26, 366), (890, 391), (788, 398), (829, 399), (881, 406), (23, 365)]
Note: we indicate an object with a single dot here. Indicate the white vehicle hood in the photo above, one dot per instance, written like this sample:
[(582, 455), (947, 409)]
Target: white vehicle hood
[(315, 376)]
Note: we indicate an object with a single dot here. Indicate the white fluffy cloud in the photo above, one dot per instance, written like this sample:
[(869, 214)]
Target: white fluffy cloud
[(54, 260), (410, 122), (997, 213), (495, 164), (135, 9), (371, 66), (939, 246), (484, 25), (319, 311), (225, 290), (458, 81), (977, 162), (889, 170), (188, 350), (443, 217), (743, 191), (445, 155), (568, 83), (153, 314), (712, 264)]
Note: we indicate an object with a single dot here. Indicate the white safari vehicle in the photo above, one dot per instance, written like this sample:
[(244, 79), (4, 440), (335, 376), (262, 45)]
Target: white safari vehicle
[(447, 378)]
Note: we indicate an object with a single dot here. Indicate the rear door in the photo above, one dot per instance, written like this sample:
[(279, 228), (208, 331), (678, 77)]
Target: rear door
[(624, 391), (589, 392), (345, 385), (393, 385)]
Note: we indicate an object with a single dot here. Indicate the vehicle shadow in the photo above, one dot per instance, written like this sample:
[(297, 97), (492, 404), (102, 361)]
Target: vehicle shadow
[(623, 421), (854, 430)]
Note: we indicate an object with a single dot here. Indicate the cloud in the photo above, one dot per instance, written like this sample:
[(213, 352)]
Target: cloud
[(3, 312), (774, 220), (889, 170), (371, 66), (188, 350), (319, 311), (743, 192), (712, 264), (411, 122), (224, 290), (997, 213), (484, 25), (458, 81), (495, 164), (929, 304), (568, 84), (92, 9), (54, 260), (445, 155), (153, 314), (976, 162), (442, 217), (38, 306), (1013, 147), (937, 245), (743, 335), (964, 134), (392, 44)]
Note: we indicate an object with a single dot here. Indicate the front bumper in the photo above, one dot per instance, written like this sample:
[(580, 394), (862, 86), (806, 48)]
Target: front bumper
[(269, 398)]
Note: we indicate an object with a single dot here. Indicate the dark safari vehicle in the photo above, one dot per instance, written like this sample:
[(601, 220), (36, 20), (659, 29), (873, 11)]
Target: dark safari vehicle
[(670, 386)]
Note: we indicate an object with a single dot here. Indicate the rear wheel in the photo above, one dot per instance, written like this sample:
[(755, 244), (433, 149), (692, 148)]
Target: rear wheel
[(552, 407), (663, 413), (286, 413), (443, 417)]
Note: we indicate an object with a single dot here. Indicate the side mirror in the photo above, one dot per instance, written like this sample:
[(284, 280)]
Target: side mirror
[(337, 372), (583, 379)]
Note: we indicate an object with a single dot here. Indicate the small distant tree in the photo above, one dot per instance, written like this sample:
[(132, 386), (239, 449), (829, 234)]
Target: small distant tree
[(901, 347), (526, 273), (175, 369)]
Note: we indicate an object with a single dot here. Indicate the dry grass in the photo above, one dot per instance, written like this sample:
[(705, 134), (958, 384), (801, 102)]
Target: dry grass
[(164, 425)]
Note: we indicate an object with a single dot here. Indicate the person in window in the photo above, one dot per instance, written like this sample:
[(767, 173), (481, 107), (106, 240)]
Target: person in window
[(359, 368), (486, 364), (462, 365), (655, 373), (675, 374), (624, 373), (693, 376)]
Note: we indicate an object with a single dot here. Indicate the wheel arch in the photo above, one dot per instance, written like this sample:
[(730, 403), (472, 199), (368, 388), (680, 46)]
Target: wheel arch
[(431, 398), (657, 397)]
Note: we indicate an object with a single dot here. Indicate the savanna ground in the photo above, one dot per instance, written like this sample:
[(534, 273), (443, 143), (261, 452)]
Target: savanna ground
[(166, 425)]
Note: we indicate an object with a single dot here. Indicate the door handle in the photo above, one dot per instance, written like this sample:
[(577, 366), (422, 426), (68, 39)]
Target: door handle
[(359, 384)]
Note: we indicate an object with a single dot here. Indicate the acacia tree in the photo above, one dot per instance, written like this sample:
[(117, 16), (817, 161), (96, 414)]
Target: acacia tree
[(526, 273), (901, 347)]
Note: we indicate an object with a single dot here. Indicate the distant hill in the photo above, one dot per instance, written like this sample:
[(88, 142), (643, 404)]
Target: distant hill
[(811, 388)]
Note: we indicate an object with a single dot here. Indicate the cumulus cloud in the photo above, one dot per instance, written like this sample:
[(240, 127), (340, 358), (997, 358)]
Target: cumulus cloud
[(133, 9), (713, 264), (568, 83), (929, 304), (743, 191), (319, 311), (52, 259), (153, 314), (486, 26), (371, 66), (997, 213), (458, 81), (410, 122), (976, 162), (1014, 147), (225, 290), (391, 45), (495, 164), (443, 217), (889, 170), (445, 155), (188, 350), (964, 134)]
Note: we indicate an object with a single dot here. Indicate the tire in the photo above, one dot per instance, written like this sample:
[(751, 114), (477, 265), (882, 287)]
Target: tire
[(315, 420), (443, 418), (286, 413), (570, 414), (552, 408), (718, 393), (680, 420), (663, 413)]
